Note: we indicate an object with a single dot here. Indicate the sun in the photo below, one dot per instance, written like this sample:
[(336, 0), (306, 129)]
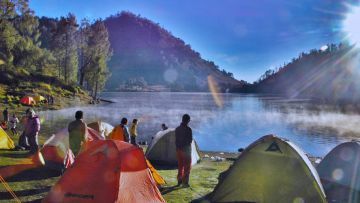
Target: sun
[(351, 25)]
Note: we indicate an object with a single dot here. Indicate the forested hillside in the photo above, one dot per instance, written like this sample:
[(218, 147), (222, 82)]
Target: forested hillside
[(331, 74), (146, 54), (44, 53)]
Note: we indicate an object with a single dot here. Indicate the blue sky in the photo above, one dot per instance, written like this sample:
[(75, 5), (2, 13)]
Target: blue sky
[(245, 37)]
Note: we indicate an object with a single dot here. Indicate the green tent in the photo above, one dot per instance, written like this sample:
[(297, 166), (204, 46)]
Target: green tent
[(270, 170), (340, 173)]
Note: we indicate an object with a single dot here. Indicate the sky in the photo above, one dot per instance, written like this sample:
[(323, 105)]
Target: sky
[(245, 37)]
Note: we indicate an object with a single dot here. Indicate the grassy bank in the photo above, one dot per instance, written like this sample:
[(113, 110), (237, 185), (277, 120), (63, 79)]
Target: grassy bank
[(15, 85), (35, 184)]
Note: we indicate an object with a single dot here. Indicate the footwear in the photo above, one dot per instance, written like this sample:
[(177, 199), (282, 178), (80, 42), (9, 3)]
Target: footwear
[(185, 185), (178, 184)]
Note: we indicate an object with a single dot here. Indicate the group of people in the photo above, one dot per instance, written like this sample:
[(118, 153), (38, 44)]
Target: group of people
[(9, 121), (78, 133), (183, 135), (29, 137)]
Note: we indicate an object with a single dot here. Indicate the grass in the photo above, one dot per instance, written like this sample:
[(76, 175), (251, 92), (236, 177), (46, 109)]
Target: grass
[(33, 185)]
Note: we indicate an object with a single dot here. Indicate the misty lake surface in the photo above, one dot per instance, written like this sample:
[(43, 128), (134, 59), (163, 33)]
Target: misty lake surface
[(232, 122)]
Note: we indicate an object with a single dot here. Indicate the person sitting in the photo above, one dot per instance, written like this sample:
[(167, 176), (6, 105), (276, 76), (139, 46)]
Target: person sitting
[(120, 132), (77, 133)]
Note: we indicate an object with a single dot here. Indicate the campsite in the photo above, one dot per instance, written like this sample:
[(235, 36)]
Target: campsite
[(179, 101)]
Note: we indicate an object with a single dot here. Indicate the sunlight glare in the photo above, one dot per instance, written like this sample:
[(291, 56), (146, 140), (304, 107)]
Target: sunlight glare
[(351, 25)]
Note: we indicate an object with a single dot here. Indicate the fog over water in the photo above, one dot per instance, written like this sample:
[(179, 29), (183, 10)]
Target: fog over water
[(241, 119)]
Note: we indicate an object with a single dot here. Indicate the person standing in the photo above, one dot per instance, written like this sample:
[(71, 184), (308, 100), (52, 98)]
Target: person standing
[(13, 122), (77, 133), (121, 132), (164, 127), (31, 131), (133, 131), (183, 140), (6, 115)]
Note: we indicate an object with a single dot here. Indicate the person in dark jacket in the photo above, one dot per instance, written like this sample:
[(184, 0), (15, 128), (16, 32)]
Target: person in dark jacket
[(183, 140), (6, 115), (31, 131)]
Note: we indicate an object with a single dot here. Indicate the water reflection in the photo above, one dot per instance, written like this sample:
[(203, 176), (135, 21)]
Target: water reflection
[(241, 120)]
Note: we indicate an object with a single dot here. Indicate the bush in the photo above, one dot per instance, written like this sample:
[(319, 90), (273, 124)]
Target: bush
[(23, 71), (45, 86)]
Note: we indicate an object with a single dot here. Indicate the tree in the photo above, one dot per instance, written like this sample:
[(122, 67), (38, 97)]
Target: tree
[(98, 50)]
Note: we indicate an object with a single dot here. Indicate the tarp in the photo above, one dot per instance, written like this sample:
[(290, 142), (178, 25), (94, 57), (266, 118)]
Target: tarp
[(340, 173), (107, 171), (5, 141), (27, 100), (270, 170), (162, 149)]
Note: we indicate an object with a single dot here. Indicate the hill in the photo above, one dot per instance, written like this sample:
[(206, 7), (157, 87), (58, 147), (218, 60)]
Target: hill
[(331, 75), (145, 54)]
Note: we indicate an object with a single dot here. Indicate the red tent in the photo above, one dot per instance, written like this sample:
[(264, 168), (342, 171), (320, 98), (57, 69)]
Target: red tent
[(26, 100), (107, 171)]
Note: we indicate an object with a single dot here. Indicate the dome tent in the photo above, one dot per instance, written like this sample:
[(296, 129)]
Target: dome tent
[(162, 149), (107, 171), (339, 172), (5, 141), (270, 170)]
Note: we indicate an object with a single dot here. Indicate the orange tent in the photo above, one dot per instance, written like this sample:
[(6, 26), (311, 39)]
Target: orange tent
[(107, 171), (117, 134), (27, 101)]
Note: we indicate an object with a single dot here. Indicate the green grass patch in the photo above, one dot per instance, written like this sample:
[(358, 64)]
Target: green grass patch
[(35, 186)]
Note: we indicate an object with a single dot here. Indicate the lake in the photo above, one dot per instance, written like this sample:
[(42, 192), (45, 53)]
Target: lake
[(222, 122)]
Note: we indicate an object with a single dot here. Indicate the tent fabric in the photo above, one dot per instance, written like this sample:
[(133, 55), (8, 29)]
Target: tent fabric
[(5, 141), (270, 170), (340, 173), (117, 134), (162, 149), (107, 171), (27, 100), (56, 150), (102, 127), (39, 98), (157, 177)]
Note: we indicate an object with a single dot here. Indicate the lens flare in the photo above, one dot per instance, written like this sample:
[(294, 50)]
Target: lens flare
[(338, 174), (351, 25), (215, 91)]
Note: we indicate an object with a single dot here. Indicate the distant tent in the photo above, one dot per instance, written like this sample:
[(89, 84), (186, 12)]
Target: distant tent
[(270, 170), (107, 171), (339, 172), (39, 98), (162, 149), (5, 140), (102, 127), (27, 100)]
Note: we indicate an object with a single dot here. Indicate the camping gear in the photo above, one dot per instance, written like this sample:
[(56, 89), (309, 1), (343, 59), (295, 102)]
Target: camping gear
[(270, 170), (162, 149), (107, 171), (339, 172), (5, 141), (56, 150), (39, 99), (102, 127), (27, 100)]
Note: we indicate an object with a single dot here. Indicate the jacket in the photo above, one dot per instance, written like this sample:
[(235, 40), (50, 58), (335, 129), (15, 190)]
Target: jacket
[(183, 136)]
